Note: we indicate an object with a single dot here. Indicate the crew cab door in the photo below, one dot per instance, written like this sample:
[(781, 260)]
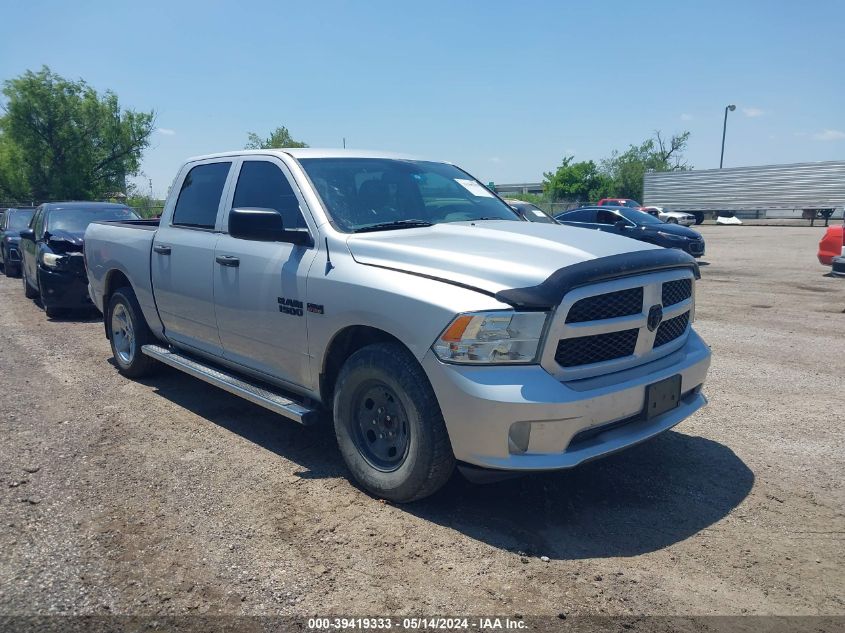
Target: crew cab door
[(182, 258), (260, 286)]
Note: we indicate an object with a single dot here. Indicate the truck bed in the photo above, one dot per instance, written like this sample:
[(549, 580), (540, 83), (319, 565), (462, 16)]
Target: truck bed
[(132, 260)]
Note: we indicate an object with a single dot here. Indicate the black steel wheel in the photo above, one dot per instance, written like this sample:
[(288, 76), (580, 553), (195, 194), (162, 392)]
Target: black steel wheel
[(380, 427), (389, 426)]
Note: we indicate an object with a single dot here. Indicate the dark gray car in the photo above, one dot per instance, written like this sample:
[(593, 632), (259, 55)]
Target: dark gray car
[(635, 224), (12, 222)]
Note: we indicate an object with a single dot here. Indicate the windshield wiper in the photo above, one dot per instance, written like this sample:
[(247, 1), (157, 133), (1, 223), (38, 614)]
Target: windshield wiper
[(397, 224)]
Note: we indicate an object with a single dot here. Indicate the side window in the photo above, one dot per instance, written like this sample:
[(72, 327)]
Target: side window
[(262, 184), (607, 217), (199, 197), (581, 215)]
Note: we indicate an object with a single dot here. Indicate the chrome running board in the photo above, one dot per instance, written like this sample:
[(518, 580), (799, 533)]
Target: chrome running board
[(260, 395)]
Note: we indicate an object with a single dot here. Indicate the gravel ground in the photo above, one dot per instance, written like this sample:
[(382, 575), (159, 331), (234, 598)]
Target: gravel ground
[(168, 496)]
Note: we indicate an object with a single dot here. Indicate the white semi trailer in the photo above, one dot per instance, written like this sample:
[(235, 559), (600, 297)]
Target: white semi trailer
[(809, 190)]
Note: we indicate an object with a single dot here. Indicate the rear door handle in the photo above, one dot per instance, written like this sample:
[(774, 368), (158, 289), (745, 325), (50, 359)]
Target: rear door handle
[(161, 249), (228, 260)]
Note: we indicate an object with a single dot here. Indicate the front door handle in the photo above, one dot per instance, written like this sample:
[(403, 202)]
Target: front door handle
[(161, 249), (228, 260)]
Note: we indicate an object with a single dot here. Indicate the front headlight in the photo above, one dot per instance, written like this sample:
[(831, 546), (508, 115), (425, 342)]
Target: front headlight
[(51, 260), (492, 337), (671, 236)]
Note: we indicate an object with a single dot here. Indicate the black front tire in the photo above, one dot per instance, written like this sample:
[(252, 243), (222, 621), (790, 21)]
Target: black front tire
[(428, 461), (28, 291), (135, 364)]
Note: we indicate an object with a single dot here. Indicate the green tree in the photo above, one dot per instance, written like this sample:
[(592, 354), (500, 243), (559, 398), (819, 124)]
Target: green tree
[(13, 176), (71, 142), (574, 181), (280, 137), (625, 171)]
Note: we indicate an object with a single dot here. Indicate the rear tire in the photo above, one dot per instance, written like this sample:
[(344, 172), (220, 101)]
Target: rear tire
[(28, 291), (389, 426), (128, 332)]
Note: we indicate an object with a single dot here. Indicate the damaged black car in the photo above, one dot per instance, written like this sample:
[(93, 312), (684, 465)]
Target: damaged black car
[(52, 252)]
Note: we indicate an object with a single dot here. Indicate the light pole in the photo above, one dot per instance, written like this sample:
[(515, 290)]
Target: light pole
[(730, 107)]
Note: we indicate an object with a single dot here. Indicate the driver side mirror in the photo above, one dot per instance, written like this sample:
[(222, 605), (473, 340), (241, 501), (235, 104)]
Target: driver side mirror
[(264, 225), (28, 234)]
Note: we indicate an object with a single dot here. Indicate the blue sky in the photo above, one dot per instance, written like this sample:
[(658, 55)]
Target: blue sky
[(505, 89)]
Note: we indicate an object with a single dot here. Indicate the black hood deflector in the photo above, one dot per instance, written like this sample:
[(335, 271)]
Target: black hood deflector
[(549, 293)]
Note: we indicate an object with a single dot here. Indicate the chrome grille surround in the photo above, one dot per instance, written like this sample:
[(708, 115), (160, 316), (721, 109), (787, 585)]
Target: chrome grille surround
[(644, 350)]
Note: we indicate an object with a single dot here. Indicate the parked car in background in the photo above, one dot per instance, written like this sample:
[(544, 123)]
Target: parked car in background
[(12, 223), (635, 224), (530, 212), (619, 202), (52, 264), (403, 299), (670, 217), (832, 244)]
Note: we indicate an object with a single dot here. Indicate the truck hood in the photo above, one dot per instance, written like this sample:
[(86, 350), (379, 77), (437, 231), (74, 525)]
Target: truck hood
[(489, 256)]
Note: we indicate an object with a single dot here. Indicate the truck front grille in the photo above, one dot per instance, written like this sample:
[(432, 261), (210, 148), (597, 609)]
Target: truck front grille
[(676, 291), (607, 306), (671, 329), (584, 350), (610, 325)]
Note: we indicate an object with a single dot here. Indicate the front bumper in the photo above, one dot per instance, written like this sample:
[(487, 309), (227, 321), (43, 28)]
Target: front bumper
[(481, 404), (11, 254), (63, 289)]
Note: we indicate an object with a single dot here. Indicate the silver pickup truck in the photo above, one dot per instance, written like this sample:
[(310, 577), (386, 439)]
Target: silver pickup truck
[(411, 305)]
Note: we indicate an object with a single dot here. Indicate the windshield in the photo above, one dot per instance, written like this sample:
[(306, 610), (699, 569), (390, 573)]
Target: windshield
[(533, 213), (76, 220), (639, 217), (364, 192), (19, 219)]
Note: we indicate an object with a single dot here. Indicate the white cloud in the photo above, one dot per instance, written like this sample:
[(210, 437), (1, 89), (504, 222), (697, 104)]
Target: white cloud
[(829, 135), (753, 112), (686, 117), (166, 131)]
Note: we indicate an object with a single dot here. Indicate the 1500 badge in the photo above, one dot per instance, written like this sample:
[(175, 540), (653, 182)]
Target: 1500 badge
[(290, 306)]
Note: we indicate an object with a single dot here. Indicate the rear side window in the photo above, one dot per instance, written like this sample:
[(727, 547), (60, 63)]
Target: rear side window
[(263, 185), (199, 197), (578, 216)]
